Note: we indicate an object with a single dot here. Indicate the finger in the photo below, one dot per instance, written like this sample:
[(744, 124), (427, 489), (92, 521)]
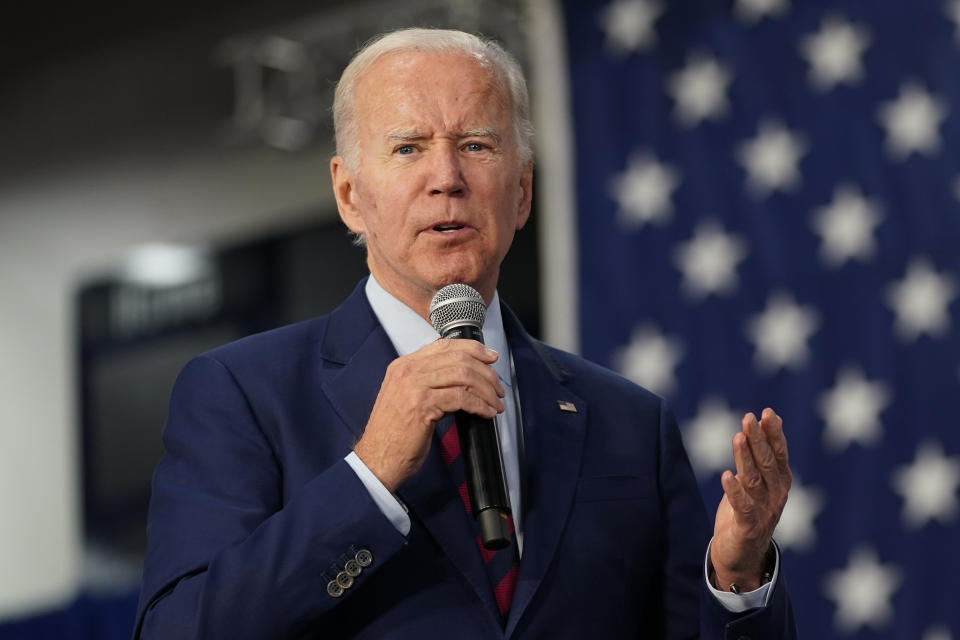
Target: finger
[(448, 345), (453, 399), (485, 370), (772, 426), (486, 395), (472, 378), (747, 473), (463, 372), (478, 389), (762, 453), (439, 367), (735, 494)]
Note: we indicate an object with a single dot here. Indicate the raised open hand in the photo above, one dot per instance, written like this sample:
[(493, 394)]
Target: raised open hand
[(753, 501)]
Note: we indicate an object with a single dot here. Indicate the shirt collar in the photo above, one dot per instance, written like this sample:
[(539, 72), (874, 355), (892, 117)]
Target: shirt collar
[(408, 331)]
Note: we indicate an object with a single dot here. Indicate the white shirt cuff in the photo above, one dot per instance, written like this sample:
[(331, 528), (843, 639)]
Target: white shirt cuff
[(389, 505), (739, 602)]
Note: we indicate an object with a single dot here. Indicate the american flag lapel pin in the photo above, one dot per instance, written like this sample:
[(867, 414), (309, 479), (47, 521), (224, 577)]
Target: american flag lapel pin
[(566, 405)]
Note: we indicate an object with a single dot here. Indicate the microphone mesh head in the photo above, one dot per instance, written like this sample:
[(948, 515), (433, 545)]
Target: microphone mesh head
[(457, 304)]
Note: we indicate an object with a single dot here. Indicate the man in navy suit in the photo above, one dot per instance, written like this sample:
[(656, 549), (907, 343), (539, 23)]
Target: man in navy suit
[(306, 492)]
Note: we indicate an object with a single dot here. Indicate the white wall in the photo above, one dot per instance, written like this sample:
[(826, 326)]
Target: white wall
[(54, 229)]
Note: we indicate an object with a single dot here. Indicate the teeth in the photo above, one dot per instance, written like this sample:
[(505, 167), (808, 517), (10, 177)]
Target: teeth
[(442, 227)]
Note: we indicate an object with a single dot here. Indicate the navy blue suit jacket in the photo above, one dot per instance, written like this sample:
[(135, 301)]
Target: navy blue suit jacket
[(254, 509)]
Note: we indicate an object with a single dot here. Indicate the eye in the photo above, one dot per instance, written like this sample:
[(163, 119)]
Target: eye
[(405, 149), (475, 146)]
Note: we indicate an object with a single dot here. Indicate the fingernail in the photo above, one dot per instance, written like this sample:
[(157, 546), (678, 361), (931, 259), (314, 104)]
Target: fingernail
[(490, 352)]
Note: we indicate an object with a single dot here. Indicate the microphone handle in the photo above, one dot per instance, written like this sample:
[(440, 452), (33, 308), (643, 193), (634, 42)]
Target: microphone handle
[(483, 464), (484, 470)]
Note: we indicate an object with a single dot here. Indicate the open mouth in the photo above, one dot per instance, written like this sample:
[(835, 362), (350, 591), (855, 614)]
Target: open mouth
[(448, 227)]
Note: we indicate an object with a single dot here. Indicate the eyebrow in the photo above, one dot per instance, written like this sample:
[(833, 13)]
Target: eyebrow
[(409, 135), (482, 132), (405, 135)]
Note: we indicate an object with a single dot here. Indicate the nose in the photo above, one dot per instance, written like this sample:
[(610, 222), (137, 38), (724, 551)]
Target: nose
[(446, 174)]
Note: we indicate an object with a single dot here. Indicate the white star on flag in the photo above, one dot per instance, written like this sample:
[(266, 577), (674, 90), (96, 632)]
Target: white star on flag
[(780, 333), (921, 300), (751, 11), (953, 12), (846, 227), (650, 359), (796, 530), (912, 122), (772, 159), (835, 53), (938, 632), (709, 260), (628, 25), (709, 436), (643, 191), (851, 410), (863, 592), (700, 90), (928, 486)]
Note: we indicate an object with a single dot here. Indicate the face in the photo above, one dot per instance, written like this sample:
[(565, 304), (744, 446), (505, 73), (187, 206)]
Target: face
[(439, 190)]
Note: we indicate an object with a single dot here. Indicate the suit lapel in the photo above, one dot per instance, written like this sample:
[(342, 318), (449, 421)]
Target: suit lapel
[(356, 340), (552, 449)]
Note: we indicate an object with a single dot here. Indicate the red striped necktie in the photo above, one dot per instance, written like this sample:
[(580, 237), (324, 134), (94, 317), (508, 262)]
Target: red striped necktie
[(501, 565)]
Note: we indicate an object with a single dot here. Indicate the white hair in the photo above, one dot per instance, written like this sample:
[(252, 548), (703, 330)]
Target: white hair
[(507, 73)]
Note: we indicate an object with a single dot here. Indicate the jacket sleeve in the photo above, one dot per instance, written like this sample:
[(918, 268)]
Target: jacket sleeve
[(226, 556)]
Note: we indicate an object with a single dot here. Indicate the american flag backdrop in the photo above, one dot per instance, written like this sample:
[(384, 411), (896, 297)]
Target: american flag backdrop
[(768, 214)]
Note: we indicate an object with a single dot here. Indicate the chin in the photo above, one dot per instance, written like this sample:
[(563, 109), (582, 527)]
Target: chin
[(453, 279), (463, 270), (458, 273)]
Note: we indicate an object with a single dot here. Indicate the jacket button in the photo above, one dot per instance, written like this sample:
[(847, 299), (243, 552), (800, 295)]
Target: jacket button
[(352, 567), (364, 558), (344, 580), (334, 589)]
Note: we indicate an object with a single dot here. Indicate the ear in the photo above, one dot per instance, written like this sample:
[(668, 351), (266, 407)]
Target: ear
[(345, 192), (526, 195)]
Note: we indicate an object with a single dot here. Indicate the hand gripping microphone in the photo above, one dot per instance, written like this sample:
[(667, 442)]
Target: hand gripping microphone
[(457, 311)]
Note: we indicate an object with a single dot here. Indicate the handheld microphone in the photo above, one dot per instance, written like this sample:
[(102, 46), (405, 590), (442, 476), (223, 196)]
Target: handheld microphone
[(457, 311)]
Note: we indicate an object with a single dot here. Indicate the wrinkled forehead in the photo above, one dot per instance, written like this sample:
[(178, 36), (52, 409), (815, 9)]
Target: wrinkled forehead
[(407, 71)]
